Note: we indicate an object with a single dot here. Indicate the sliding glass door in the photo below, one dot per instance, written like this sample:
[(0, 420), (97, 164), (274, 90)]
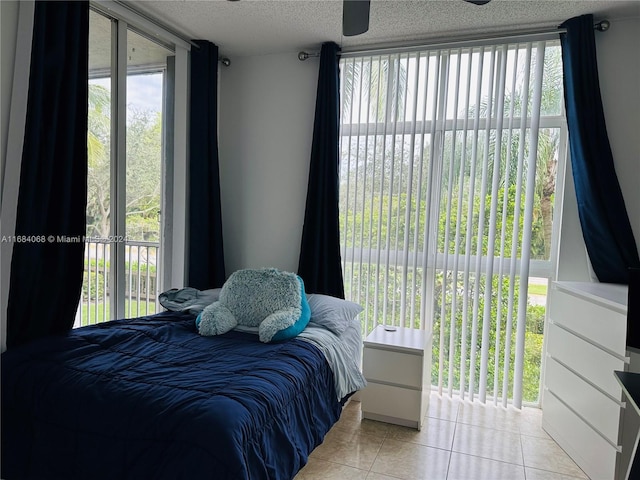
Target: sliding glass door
[(448, 192), (127, 137)]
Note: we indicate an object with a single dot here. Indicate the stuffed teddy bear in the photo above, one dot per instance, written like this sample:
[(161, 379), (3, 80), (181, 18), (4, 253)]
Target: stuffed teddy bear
[(270, 299)]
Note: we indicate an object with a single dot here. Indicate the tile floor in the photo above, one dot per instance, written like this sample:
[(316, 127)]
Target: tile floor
[(458, 440)]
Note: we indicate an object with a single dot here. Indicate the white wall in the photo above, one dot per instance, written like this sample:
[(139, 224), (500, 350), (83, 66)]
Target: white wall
[(9, 22), (619, 70), (16, 22), (9, 25), (267, 106), (619, 67)]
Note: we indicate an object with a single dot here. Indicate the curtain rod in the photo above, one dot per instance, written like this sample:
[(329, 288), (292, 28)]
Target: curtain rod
[(148, 18), (601, 26), (106, 6)]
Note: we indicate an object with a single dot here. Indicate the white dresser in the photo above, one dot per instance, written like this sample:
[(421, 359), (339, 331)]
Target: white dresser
[(582, 401), (397, 366)]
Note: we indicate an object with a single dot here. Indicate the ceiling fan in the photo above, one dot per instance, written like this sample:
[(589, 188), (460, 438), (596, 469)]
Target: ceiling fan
[(355, 15)]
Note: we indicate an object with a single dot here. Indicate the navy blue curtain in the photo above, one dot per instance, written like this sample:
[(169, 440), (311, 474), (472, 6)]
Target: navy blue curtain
[(47, 262), (320, 264), (603, 216), (206, 253)]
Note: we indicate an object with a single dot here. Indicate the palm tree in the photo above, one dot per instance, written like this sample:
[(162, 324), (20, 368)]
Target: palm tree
[(379, 81), (99, 115), (98, 146), (552, 98), (547, 161)]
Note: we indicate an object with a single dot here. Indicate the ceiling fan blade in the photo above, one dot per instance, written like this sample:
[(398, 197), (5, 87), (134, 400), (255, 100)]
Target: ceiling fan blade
[(355, 17), (478, 2)]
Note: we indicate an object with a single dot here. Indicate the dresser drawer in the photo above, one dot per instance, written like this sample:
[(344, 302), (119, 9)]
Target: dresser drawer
[(397, 368), (589, 450), (588, 402), (603, 325), (591, 362)]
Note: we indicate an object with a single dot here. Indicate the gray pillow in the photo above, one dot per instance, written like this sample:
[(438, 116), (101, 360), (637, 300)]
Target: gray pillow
[(332, 313)]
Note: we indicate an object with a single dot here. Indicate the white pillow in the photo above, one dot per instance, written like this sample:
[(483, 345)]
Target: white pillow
[(332, 313)]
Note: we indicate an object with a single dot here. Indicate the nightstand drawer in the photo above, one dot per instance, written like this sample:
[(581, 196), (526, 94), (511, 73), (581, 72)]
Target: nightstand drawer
[(391, 367), (394, 402)]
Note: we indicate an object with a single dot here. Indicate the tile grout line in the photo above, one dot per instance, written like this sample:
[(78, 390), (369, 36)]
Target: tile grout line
[(524, 463), (453, 439)]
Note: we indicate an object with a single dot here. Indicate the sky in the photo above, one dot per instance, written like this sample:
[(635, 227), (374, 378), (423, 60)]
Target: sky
[(143, 91)]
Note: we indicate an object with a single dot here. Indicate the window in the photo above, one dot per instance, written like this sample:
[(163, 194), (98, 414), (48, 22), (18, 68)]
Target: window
[(447, 198), (131, 79)]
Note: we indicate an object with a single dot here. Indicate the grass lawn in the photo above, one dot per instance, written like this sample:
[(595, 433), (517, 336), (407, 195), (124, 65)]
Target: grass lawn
[(90, 316), (537, 289)]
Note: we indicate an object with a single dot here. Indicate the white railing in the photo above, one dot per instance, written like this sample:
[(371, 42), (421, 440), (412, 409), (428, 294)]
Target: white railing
[(141, 286)]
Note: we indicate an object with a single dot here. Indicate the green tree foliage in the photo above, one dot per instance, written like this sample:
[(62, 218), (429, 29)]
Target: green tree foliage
[(143, 166), (144, 155), (99, 148), (386, 80)]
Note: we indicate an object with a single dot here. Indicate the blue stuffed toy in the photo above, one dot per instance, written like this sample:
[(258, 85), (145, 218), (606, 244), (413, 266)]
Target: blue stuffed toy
[(270, 299)]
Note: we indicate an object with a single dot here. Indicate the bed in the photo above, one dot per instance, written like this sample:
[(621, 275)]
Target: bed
[(149, 398)]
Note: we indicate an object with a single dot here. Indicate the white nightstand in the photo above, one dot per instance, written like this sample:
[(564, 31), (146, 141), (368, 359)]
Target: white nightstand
[(397, 366)]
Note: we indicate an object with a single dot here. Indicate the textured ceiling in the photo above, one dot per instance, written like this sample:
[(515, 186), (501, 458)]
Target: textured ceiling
[(259, 27)]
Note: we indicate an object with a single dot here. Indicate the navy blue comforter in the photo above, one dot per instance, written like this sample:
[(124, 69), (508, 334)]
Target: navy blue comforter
[(149, 398)]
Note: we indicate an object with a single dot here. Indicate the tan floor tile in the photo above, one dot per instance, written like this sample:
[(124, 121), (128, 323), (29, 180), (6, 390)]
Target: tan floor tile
[(468, 467), (352, 407), (379, 476), (351, 421), (443, 407), (434, 433), (531, 423), (366, 426), (317, 469), (490, 416), (535, 474), (354, 449), (545, 454), (411, 461), (488, 443)]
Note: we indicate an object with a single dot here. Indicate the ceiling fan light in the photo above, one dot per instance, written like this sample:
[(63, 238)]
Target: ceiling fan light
[(355, 17)]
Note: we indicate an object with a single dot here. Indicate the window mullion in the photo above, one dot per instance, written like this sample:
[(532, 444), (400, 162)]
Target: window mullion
[(118, 166)]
